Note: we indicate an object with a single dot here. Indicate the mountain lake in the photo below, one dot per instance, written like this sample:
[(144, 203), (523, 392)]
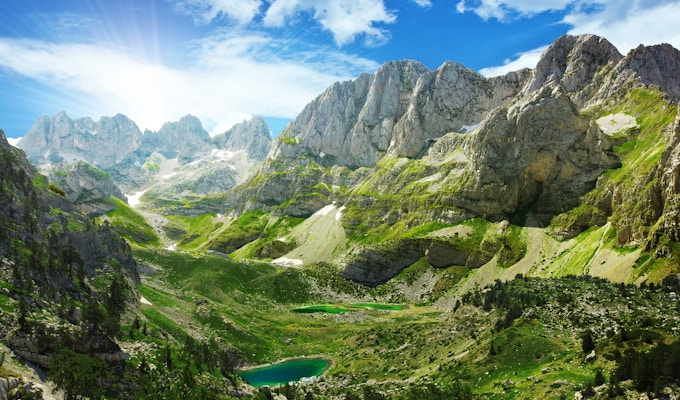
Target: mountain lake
[(284, 372)]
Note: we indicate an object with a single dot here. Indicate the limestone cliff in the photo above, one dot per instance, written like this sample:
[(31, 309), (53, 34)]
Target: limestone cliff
[(85, 185), (252, 135), (398, 110)]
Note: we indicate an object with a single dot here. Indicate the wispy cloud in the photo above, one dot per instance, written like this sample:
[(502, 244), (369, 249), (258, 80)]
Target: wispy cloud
[(205, 11), (225, 83), (345, 20), (625, 23), (509, 9), (528, 59)]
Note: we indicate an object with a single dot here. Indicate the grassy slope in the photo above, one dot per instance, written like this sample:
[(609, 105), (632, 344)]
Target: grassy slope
[(250, 306)]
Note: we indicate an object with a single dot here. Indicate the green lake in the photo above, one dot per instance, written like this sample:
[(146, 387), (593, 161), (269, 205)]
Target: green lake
[(341, 309), (284, 372)]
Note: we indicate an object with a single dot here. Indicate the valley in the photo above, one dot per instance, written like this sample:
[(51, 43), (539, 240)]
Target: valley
[(431, 233)]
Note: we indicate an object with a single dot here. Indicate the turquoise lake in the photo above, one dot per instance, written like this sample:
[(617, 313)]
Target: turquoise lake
[(284, 372)]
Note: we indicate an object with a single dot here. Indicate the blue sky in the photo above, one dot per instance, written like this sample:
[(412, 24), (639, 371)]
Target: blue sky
[(227, 60)]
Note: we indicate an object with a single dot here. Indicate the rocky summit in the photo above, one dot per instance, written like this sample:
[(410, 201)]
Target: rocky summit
[(432, 233)]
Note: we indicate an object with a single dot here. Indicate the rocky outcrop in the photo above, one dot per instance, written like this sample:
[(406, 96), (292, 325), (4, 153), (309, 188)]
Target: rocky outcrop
[(85, 186), (574, 62), (375, 265), (185, 139), (399, 110), (643, 66), (540, 156), (252, 135), (667, 193), (18, 388)]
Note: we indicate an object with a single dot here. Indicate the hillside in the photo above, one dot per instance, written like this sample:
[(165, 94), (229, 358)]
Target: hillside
[(533, 149)]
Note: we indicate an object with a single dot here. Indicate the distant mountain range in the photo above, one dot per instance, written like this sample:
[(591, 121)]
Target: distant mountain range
[(180, 159)]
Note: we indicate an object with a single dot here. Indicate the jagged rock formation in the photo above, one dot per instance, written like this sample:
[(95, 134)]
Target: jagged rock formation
[(200, 165), (185, 139), (61, 139), (398, 111), (85, 186), (539, 155), (406, 146), (252, 135)]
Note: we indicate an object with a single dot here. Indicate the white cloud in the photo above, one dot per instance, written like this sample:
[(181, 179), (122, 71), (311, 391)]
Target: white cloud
[(344, 19), (423, 3), (504, 10), (225, 84), (625, 23), (629, 25), (205, 11), (528, 59)]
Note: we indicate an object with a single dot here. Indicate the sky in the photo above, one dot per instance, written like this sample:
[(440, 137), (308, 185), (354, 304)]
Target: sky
[(225, 61)]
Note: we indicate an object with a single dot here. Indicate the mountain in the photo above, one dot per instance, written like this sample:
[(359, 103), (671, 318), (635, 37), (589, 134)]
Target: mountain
[(252, 135), (52, 256), (562, 147), (185, 140), (178, 161), (85, 186), (508, 236)]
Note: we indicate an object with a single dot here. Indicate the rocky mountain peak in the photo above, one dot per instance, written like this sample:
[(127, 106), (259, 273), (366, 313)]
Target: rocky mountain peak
[(184, 139), (573, 62), (252, 135), (656, 65), (399, 110)]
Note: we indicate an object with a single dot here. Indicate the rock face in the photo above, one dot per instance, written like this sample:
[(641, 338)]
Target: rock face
[(185, 140), (540, 155), (85, 186), (573, 62), (117, 147), (399, 110), (252, 135)]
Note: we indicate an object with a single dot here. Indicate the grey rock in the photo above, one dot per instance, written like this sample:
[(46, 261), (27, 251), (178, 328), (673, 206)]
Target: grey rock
[(185, 139), (538, 155), (85, 185), (574, 62), (399, 110), (252, 135)]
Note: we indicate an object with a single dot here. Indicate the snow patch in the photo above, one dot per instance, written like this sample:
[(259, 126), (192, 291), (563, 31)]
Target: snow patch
[(133, 198), (172, 247), (145, 301), (288, 262), (469, 128), (338, 215), (168, 176), (324, 211), (14, 140)]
